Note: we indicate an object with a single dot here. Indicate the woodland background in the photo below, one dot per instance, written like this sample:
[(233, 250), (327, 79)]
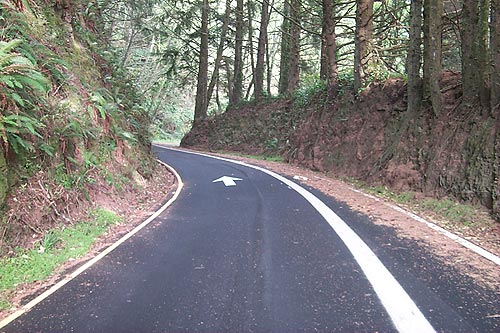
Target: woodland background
[(393, 92)]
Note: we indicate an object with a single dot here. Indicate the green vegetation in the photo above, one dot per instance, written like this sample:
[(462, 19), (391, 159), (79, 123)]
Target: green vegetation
[(58, 246), (451, 212), (72, 114), (466, 215), (270, 158), (311, 87)]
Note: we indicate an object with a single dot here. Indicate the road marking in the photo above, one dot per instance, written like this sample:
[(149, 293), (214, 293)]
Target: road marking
[(101, 255), (404, 313), (467, 244), (228, 181)]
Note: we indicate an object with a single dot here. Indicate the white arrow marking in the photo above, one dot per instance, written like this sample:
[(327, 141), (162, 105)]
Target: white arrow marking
[(404, 313), (228, 181)]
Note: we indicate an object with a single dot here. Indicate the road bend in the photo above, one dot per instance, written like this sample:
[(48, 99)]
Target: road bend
[(245, 250)]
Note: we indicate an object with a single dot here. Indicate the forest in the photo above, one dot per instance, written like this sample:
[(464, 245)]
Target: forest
[(398, 93), (394, 92)]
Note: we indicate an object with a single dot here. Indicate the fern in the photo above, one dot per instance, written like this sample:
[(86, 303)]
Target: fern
[(21, 84), (18, 77), (13, 126)]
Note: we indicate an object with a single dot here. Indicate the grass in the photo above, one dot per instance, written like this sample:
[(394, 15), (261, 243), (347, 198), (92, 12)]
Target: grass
[(172, 142), (58, 246), (444, 209), (451, 211), (255, 157)]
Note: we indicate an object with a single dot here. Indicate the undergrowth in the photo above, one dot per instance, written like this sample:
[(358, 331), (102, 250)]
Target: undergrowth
[(58, 246), (270, 158), (68, 106), (446, 210)]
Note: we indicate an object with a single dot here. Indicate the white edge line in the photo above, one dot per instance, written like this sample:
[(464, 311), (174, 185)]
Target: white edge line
[(404, 313), (465, 243), (25, 308)]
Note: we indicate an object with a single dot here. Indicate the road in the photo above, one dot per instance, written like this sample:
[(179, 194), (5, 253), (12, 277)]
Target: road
[(257, 253)]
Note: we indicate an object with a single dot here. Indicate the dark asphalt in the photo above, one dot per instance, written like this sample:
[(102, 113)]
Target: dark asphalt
[(253, 258)]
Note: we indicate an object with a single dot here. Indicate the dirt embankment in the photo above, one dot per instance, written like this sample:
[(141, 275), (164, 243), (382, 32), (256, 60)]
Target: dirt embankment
[(41, 204), (371, 137)]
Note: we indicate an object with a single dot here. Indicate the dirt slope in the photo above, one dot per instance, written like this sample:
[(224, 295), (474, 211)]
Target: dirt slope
[(371, 137)]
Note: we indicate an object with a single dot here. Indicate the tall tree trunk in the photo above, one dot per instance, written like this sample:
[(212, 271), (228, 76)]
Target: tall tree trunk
[(483, 55), (285, 49), (269, 62), (471, 77), (237, 90), (261, 52), (269, 74), (363, 44), (495, 96), (329, 45), (433, 11), (250, 46), (414, 59), (495, 58), (220, 49), (294, 56), (201, 106), (323, 69)]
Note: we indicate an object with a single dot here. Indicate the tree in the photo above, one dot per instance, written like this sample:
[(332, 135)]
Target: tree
[(261, 51), (471, 77), (220, 49), (433, 11), (250, 48), (201, 105), (483, 54), (285, 49), (329, 70), (237, 89), (363, 44), (495, 57), (414, 58), (294, 55)]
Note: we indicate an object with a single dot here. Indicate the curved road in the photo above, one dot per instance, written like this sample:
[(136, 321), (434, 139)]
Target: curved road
[(257, 253)]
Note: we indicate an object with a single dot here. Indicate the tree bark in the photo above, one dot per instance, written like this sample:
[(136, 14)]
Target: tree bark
[(363, 45), (285, 49), (414, 58), (261, 52), (495, 58), (237, 90), (330, 70), (294, 56), (250, 46), (471, 77), (433, 11), (269, 74), (483, 55), (201, 106), (220, 49)]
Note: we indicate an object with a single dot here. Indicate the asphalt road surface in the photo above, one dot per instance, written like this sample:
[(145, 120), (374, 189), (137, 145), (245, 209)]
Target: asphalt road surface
[(256, 253)]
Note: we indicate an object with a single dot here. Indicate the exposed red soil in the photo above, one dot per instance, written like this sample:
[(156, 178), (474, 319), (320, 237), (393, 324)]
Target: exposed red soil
[(373, 138)]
